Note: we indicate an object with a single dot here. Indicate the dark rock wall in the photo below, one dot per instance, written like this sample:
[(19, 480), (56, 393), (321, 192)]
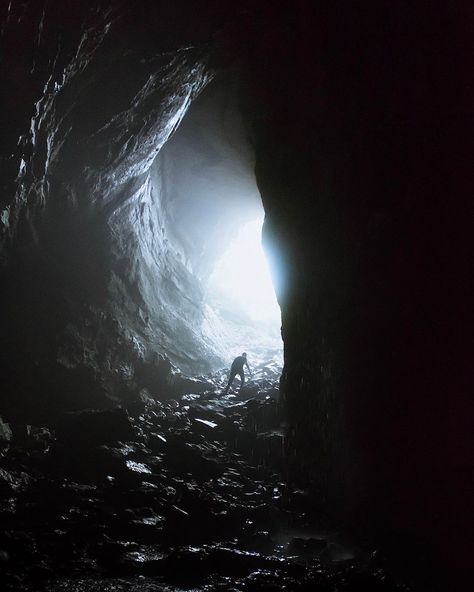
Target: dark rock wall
[(362, 162)]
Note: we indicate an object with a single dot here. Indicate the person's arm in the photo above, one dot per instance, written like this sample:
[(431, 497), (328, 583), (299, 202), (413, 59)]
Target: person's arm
[(248, 367)]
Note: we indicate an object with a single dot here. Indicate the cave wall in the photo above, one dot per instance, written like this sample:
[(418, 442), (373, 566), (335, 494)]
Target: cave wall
[(98, 271), (362, 162)]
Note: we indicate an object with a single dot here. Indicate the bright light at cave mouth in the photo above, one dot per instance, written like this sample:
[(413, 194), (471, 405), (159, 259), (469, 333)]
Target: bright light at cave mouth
[(242, 277)]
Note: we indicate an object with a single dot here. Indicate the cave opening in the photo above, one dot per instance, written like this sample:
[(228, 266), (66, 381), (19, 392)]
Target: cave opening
[(213, 220), (240, 289)]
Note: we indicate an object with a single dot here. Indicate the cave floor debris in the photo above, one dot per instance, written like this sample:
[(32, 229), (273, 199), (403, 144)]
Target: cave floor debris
[(185, 494)]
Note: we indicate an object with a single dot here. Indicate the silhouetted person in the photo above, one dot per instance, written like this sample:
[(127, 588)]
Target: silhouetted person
[(238, 368)]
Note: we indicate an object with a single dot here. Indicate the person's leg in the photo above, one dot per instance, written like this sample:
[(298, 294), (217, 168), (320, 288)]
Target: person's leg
[(231, 380), (242, 379)]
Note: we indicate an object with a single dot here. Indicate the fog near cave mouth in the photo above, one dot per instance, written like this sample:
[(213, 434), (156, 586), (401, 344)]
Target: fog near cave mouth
[(241, 292), (211, 217), (242, 276)]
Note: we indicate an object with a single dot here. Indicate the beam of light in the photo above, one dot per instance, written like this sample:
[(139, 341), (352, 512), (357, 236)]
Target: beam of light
[(242, 277)]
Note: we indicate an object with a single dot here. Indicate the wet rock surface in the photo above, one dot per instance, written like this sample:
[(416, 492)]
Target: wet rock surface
[(184, 494)]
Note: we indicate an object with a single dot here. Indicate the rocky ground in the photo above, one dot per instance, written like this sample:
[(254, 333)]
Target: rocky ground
[(185, 494)]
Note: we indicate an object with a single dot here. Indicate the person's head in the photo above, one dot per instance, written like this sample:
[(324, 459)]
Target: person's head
[(244, 355)]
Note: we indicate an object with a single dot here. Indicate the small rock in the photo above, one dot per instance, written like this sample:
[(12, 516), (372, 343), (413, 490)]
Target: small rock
[(13, 480), (5, 432), (209, 424)]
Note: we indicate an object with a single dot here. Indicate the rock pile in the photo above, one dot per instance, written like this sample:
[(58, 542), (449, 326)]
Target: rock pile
[(167, 496)]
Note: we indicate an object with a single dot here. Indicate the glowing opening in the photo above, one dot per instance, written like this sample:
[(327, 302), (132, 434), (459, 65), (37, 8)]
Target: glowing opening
[(216, 215), (241, 280)]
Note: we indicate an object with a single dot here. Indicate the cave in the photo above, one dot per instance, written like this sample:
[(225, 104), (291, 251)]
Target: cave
[(140, 142)]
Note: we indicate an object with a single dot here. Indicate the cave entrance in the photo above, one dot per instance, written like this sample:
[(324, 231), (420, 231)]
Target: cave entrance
[(240, 290), (214, 218)]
